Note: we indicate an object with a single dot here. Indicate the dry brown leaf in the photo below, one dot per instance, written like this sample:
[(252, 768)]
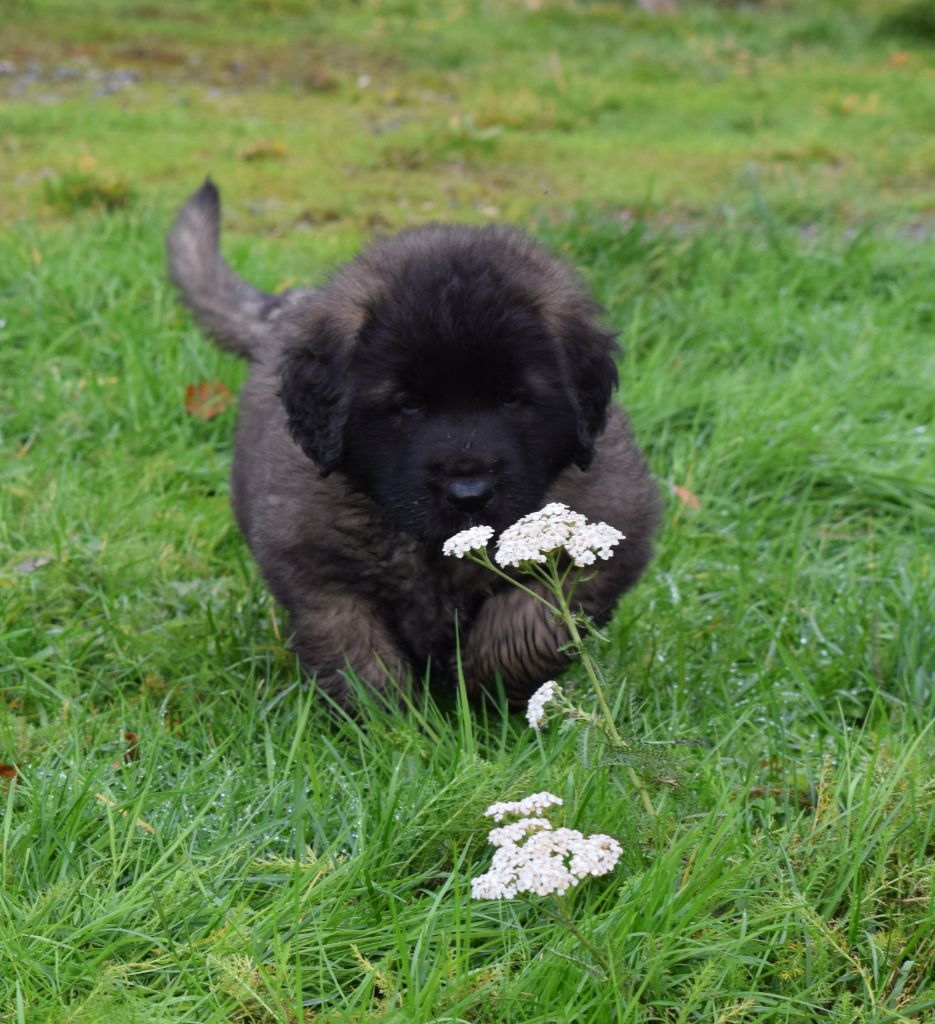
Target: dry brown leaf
[(685, 496), (132, 753), (207, 399)]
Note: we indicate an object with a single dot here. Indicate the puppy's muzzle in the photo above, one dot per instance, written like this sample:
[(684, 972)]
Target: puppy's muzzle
[(469, 493)]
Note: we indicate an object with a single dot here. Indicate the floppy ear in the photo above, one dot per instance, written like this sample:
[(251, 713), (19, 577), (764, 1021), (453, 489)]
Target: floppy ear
[(590, 350), (315, 390)]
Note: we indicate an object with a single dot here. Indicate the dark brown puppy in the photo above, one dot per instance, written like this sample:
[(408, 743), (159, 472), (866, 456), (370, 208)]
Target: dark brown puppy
[(448, 377)]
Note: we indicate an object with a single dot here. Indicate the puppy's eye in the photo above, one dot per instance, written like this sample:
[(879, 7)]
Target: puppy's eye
[(409, 405), (511, 399)]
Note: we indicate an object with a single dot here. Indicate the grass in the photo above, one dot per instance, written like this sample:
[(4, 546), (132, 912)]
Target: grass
[(186, 835), (473, 109)]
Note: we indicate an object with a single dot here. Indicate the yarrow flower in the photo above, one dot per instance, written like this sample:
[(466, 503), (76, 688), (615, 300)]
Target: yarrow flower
[(511, 834), (530, 805), (533, 857), (552, 537), (467, 540), (592, 540), (535, 709), (533, 537)]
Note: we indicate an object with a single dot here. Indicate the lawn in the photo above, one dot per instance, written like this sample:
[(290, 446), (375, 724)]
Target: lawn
[(187, 834)]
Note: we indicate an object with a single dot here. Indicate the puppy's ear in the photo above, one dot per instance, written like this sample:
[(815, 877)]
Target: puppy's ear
[(315, 391), (590, 350)]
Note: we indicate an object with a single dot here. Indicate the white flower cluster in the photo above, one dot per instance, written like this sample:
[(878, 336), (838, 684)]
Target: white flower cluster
[(592, 540), (533, 857), (511, 834), (535, 709), (531, 538), (467, 540), (534, 804)]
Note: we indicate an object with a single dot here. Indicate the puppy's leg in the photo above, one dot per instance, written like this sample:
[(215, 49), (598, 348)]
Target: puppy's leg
[(517, 637), (335, 633)]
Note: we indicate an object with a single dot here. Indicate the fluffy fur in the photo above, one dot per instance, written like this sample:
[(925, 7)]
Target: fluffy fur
[(447, 377)]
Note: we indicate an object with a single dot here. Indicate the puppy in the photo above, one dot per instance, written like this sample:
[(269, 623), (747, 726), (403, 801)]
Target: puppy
[(448, 377)]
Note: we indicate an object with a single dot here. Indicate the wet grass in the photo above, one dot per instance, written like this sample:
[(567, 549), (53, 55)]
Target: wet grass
[(186, 834), (387, 112)]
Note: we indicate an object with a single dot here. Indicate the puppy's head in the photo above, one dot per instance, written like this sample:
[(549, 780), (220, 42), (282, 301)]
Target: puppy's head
[(451, 374)]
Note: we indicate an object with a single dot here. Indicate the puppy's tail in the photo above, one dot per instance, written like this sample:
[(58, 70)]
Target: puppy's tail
[(237, 315)]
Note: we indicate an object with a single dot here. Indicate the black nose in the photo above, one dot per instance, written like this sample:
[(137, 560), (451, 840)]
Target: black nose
[(469, 492)]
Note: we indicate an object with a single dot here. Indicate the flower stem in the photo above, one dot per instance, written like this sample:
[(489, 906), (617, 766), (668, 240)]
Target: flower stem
[(568, 616), (563, 916), (485, 561)]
